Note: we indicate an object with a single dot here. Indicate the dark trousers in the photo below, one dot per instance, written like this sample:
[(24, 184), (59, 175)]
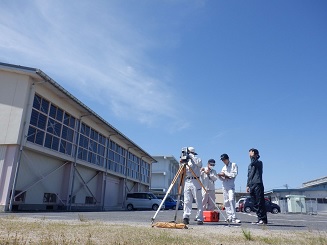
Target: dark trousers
[(257, 195)]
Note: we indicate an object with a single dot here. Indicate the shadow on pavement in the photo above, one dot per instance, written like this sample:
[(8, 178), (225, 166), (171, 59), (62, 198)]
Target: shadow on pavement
[(275, 225)]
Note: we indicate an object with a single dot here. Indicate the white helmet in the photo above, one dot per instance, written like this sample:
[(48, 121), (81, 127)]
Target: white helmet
[(191, 150)]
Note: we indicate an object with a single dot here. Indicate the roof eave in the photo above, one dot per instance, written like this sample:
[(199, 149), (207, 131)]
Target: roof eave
[(34, 72)]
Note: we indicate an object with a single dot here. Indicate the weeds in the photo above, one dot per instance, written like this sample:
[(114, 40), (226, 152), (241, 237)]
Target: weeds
[(318, 240), (322, 240), (82, 218), (269, 240), (247, 235), (89, 242)]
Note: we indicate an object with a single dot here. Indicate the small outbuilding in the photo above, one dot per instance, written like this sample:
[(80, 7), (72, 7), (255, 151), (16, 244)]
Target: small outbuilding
[(296, 204)]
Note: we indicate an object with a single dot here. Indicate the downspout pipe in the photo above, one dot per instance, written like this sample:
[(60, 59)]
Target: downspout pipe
[(125, 179)]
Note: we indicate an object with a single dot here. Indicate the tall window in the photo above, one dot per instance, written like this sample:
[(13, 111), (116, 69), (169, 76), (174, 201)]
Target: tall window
[(54, 128), (51, 127), (92, 146), (116, 158), (133, 166), (145, 172)]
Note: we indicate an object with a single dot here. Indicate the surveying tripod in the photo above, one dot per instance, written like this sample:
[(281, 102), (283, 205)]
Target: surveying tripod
[(182, 173)]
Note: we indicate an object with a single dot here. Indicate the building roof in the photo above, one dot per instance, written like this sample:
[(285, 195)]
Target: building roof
[(315, 182), (172, 158), (34, 72), (296, 189)]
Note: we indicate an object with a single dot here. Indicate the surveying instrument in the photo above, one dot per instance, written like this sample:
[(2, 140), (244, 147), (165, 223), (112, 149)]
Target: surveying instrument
[(184, 158)]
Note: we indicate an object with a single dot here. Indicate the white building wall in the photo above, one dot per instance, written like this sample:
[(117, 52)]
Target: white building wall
[(8, 158), (80, 190), (158, 181), (3, 150), (16, 97), (161, 166), (160, 169), (35, 167), (13, 98), (131, 186), (163, 172)]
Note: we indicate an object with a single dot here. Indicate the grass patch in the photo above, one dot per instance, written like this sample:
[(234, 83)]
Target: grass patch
[(48, 232)]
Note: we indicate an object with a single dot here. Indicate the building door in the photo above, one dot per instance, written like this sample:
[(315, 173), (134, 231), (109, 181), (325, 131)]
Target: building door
[(112, 193)]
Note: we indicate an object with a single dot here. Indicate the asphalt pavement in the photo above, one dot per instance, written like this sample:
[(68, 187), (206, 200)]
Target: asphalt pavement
[(292, 222)]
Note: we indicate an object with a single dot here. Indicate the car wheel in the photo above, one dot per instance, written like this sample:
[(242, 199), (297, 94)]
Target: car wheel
[(173, 207), (275, 211), (130, 207), (247, 209), (155, 207)]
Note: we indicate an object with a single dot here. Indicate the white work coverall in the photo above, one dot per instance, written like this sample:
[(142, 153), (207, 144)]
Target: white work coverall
[(192, 188), (208, 181), (228, 184)]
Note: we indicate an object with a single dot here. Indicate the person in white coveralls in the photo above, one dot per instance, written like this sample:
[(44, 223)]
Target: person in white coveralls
[(227, 176), (192, 187), (208, 178)]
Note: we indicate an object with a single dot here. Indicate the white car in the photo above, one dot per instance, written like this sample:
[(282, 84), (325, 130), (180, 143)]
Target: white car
[(142, 200)]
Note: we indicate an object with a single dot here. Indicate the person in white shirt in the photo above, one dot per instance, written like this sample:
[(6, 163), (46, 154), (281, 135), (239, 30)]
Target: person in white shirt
[(227, 176), (208, 178)]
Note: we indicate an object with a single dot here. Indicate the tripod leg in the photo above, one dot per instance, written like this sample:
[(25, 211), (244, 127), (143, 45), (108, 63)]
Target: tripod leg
[(219, 210), (168, 191), (207, 192), (180, 188)]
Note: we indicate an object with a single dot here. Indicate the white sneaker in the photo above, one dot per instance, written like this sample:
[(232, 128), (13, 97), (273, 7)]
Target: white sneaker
[(237, 221), (261, 222)]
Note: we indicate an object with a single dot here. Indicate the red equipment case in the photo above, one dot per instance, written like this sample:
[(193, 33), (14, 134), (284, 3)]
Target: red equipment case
[(210, 216)]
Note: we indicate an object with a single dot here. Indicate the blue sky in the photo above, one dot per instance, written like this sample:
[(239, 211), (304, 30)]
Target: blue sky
[(222, 76)]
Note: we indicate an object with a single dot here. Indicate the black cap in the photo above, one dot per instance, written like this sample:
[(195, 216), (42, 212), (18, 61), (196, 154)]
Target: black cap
[(224, 156), (212, 161)]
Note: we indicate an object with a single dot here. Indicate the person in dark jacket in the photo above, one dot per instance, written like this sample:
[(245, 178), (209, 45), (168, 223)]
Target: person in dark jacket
[(255, 186)]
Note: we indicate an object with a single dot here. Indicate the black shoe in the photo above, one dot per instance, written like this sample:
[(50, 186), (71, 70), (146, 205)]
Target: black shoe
[(186, 221), (200, 222)]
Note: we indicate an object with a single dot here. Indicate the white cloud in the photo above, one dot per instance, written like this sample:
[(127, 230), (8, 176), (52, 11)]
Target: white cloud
[(91, 46)]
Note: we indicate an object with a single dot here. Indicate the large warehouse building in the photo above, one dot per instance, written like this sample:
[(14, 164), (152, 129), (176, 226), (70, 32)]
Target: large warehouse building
[(58, 154)]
